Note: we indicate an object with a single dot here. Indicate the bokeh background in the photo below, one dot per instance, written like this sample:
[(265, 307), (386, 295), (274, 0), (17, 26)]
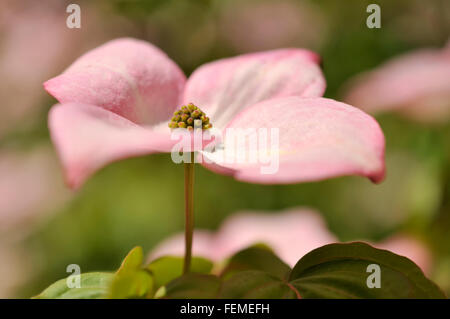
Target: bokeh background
[(44, 227)]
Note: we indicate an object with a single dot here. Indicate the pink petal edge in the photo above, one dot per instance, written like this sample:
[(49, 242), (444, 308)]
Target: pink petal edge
[(319, 138), (126, 76), (88, 137)]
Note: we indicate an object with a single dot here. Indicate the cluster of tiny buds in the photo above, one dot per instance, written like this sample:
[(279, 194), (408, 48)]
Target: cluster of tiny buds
[(190, 117)]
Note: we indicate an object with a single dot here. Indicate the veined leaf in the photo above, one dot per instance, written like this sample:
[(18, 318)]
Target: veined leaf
[(93, 285), (341, 271), (349, 270)]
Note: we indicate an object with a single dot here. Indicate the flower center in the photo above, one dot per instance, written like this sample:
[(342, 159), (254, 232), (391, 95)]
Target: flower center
[(190, 117)]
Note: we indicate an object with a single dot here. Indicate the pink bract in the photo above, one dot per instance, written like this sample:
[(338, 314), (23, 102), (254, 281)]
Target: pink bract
[(116, 101), (414, 84), (291, 234)]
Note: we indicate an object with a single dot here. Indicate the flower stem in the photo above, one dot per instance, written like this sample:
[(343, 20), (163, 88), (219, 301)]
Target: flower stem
[(189, 212)]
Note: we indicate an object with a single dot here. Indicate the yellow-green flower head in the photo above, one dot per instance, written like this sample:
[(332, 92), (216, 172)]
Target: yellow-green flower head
[(190, 117)]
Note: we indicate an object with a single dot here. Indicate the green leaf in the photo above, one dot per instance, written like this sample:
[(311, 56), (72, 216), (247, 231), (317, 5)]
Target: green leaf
[(165, 269), (333, 271), (131, 279), (136, 284), (193, 286), (340, 271), (257, 258), (133, 261), (93, 285), (254, 284)]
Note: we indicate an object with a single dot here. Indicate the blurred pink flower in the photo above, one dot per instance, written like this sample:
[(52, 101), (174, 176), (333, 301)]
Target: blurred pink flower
[(291, 234), (30, 187), (34, 43), (415, 84), (116, 102), (30, 191), (410, 247)]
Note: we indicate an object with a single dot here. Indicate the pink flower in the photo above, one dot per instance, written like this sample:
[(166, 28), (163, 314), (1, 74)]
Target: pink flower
[(34, 44), (415, 84), (410, 247), (26, 29), (30, 186), (291, 234), (117, 99)]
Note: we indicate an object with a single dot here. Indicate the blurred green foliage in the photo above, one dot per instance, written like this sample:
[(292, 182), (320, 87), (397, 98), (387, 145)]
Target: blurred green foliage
[(140, 201)]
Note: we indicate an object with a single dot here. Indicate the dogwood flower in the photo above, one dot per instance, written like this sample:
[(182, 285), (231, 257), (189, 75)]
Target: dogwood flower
[(116, 102), (291, 234), (415, 84)]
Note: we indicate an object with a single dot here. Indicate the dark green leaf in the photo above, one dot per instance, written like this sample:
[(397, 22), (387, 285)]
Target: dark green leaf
[(253, 284), (257, 258), (193, 286), (165, 269), (340, 271), (93, 285)]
